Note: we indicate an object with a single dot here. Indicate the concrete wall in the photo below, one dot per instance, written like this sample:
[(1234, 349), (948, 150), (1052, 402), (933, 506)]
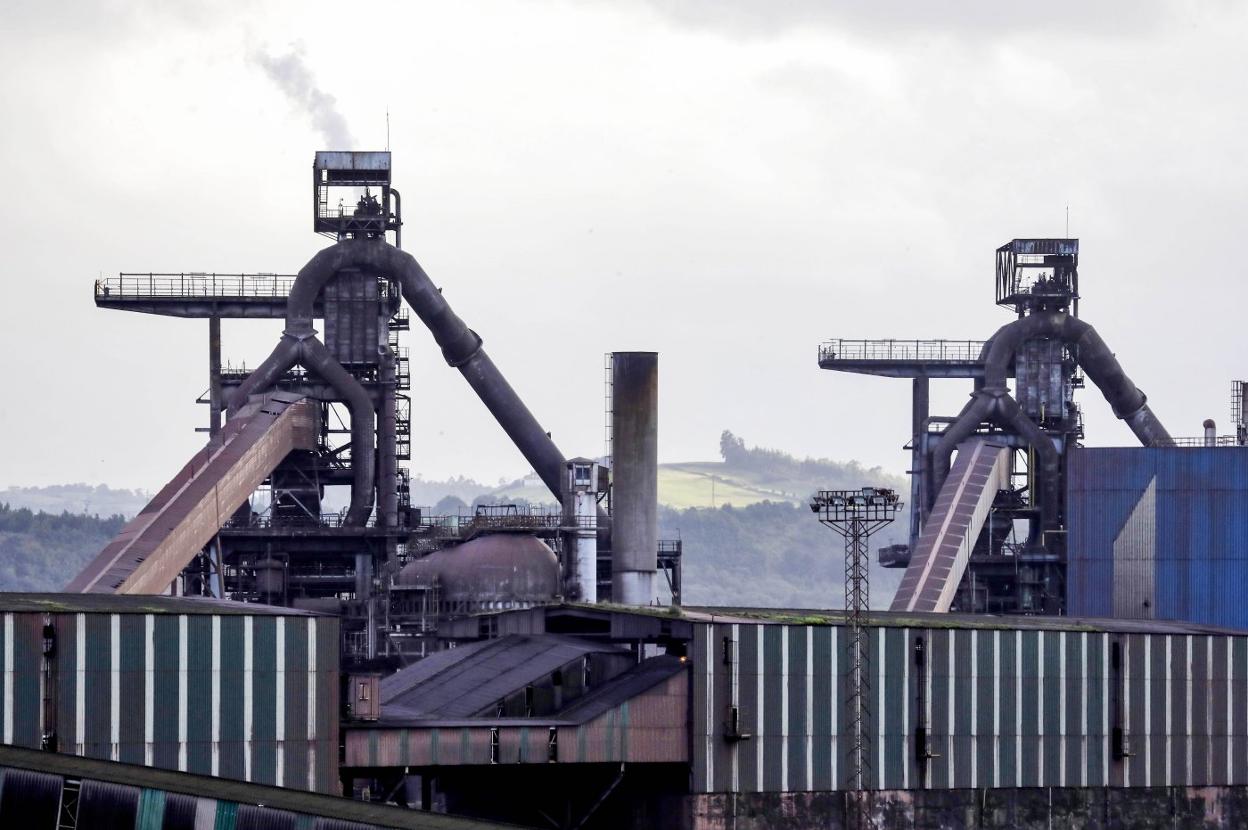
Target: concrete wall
[(1176, 808)]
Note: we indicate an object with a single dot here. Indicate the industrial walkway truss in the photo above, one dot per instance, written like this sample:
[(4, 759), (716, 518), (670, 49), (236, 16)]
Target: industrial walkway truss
[(961, 509), (150, 551)]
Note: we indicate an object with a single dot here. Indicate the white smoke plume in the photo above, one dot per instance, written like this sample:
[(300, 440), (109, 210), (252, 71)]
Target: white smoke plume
[(294, 78)]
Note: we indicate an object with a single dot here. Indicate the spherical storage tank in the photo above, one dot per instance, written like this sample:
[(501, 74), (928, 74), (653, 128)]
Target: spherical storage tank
[(501, 570)]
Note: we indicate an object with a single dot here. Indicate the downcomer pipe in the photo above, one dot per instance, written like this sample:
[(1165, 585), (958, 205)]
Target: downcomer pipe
[(309, 352), (461, 347), (1127, 401), (992, 402)]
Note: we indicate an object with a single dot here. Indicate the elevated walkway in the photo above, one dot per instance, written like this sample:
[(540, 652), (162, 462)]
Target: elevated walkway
[(952, 528), (903, 358), (197, 294), (174, 527)]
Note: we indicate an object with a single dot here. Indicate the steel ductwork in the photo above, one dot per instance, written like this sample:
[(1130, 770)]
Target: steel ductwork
[(461, 347), (992, 402), (311, 353)]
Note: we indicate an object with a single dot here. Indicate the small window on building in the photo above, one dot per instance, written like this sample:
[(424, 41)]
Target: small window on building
[(364, 691)]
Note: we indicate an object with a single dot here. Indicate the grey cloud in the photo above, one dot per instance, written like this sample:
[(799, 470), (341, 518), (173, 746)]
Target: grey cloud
[(295, 79), (106, 21), (986, 18)]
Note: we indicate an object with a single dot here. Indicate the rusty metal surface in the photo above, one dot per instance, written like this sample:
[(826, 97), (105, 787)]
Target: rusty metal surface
[(945, 543), (156, 545), (463, 685), (494, 571), (644, 725)]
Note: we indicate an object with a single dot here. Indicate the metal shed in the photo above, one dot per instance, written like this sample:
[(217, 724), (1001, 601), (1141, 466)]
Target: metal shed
[(241, 691)]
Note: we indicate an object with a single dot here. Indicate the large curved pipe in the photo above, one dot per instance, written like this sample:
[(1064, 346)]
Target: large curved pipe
[(1127, 401), (317, 359), (992, 402), (267, 374), (977, 410), (1011, 416), (461, 347), (311, 353)]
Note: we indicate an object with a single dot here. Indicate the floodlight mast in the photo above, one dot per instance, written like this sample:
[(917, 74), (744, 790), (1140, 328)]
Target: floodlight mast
[(855, 515)]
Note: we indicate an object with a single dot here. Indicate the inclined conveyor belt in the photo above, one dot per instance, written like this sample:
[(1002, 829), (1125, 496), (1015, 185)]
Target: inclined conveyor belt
[(952, 528), (150, 551)]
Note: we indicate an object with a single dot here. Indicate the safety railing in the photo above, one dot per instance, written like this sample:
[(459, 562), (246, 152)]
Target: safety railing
[(913, 351), (1201, 441), (267, 521), (190, 285)]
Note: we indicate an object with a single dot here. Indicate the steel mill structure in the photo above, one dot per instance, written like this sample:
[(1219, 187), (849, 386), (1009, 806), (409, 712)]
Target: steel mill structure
[(247, 517), (281, 630), (1008, 509)]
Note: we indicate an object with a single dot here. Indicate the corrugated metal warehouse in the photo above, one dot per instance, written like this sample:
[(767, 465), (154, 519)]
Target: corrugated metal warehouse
[(218, 688), (972, 702), (1159, 533), (1004, 721)]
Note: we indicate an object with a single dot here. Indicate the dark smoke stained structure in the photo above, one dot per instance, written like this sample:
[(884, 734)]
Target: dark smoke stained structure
[(246, 518), (992, 402), (635, 475), (203, 525), (963, 554), (461, 347)]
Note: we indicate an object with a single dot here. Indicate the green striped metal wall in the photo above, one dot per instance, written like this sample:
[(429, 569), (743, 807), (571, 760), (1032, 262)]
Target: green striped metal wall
[(249, 697), (1001, 708)]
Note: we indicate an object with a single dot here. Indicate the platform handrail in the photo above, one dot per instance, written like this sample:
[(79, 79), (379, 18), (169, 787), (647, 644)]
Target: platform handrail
[(194, 284), (891, 350)]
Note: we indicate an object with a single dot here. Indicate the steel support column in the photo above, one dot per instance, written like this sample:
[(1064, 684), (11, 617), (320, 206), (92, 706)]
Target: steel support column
[(214, 377)]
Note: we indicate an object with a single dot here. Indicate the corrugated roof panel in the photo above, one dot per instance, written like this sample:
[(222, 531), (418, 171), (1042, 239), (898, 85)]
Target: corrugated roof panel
[(465, 681), (71, 603)]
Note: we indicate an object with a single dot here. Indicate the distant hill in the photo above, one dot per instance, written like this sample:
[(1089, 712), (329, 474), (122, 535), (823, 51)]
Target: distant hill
[(769, 554), (749, 536), (744, 476), (77, 499), (42, 551)]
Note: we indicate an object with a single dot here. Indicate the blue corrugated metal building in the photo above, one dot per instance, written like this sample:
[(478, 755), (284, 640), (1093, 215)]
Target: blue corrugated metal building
[(1159, 533)]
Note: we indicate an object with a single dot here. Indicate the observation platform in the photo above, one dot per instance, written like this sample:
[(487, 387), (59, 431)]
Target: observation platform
[(197, 294), (904, 358)]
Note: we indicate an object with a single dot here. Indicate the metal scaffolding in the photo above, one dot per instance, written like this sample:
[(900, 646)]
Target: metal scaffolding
[(855, 515)]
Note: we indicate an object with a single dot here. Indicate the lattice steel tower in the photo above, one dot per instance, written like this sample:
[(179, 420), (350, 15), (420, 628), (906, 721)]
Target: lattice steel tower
[(855, 515)]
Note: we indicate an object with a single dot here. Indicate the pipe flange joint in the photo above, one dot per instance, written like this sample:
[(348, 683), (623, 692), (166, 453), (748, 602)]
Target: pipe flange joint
[(457, 362), (299, 332)]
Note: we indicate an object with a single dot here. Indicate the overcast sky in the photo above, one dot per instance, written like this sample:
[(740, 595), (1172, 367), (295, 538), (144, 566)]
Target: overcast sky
[(728, 183)]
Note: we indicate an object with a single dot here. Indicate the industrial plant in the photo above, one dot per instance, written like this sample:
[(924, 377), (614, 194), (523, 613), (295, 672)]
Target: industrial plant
[(1068, 644)]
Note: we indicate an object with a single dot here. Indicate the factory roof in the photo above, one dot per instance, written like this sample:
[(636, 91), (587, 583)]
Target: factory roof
[(627, 623), (461, 682), (223, 789), (611, 694), (918, 619), (640, 678), (74, 603)]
